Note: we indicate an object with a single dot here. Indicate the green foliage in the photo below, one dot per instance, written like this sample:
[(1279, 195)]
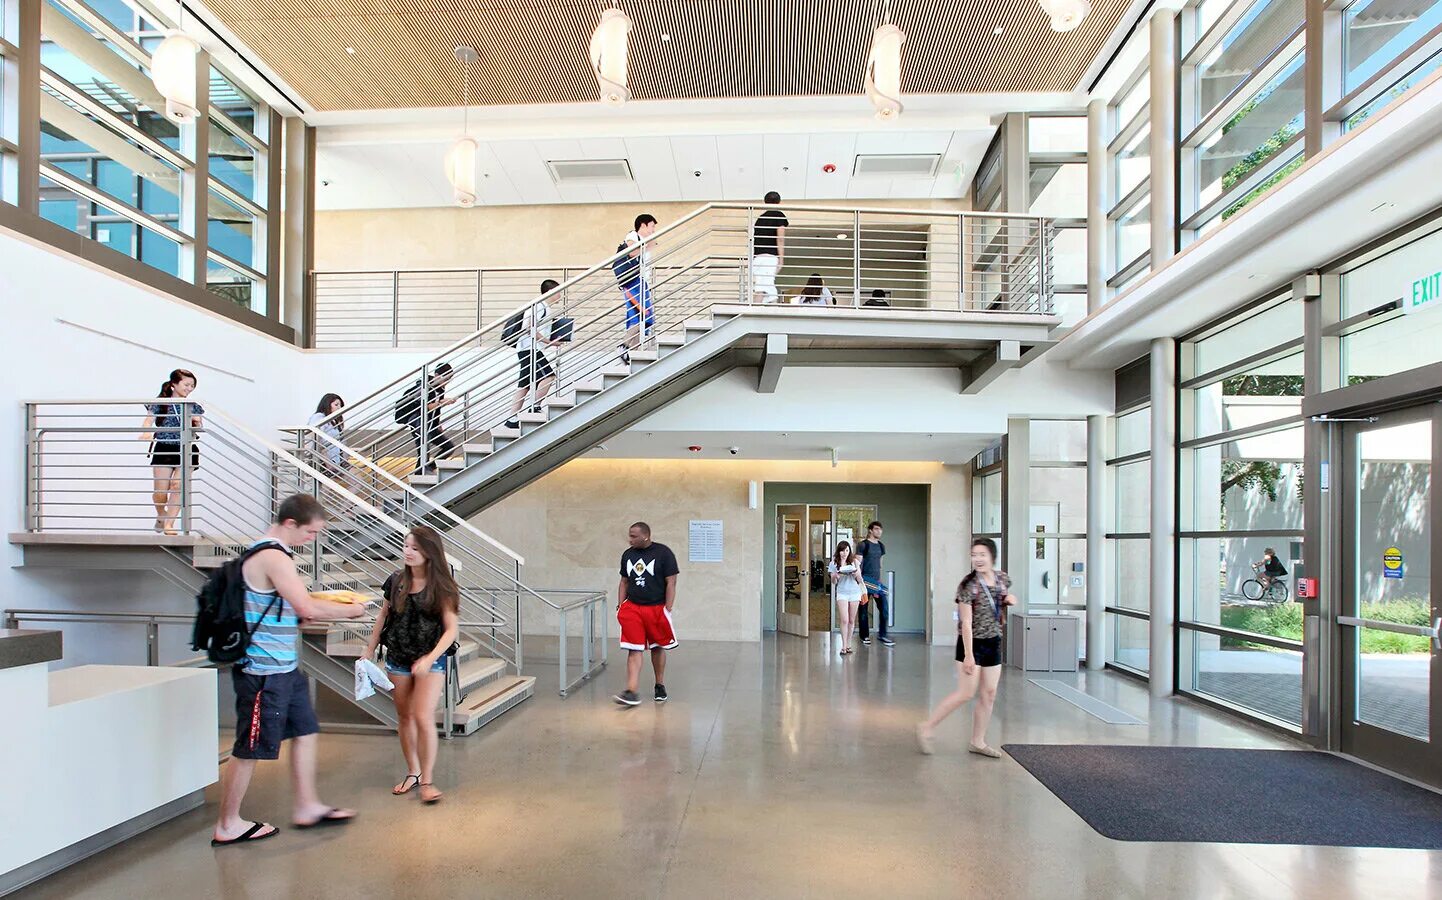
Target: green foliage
[(1284, 620), (1263, 386), (1251, 475)]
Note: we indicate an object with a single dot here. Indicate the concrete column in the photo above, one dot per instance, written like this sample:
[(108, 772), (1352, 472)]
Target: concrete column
[(1162, 77), (23, 174), (1163, 516), (1016, 502), (298, 239), (1099, 499), (1098, 202), (195, 184), (1321, 75)]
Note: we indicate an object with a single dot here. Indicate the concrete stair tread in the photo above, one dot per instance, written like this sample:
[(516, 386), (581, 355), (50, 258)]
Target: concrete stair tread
[(644, 356), (107, 538), (504, 432), (477, 671), (490, 700), (530, 418), (425, 480), (615, 371), (699, 324), (479, 448), (451, 465)]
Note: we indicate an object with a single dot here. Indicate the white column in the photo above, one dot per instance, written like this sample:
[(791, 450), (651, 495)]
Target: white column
[(1016, 502), (1162, 77), (1163, 515), (298, 244), (1098, 202), (1099, 499)]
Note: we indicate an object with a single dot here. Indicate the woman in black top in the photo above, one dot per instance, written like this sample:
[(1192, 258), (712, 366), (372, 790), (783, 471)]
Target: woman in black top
[(417, 624), (982, 599), (165, 430)]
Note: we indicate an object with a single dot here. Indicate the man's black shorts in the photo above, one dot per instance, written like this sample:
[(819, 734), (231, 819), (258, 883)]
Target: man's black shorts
[(270, 709), (534, 367)]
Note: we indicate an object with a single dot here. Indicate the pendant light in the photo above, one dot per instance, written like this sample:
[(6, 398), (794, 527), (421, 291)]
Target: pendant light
[(608, 56), (883, 69), (172, 68), (1066, 14), (461, 158)]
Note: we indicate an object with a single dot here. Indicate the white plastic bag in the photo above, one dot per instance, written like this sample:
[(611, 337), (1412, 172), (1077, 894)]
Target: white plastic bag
[(368, 677)]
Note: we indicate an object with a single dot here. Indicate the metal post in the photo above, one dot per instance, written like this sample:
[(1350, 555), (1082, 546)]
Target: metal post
[(423, 398), (516, 593), (856, 259), (480, 276), (1097, 205), (152, 643), (32, 471), (1043, 274), (891, 599), (187, 449), (961, 262), (587, 624), (1161, 668), (561, 652), (1098, 499), (396, 310)]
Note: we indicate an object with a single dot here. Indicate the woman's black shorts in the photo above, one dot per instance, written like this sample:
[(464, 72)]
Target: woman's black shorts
[(167, 454), (988, 651)]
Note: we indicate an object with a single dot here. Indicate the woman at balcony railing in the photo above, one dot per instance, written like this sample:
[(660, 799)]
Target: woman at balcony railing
[(417, 626), (165, 429)]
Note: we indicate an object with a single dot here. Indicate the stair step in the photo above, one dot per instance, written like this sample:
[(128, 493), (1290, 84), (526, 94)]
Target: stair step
[(425, 480), (490, 701), (476, 672), (479, 449), (699, 324), (501, 432), (561, 401), (450, 465), (615, 371), (671, 340), (530, 418), (589, 386), (644, 356)]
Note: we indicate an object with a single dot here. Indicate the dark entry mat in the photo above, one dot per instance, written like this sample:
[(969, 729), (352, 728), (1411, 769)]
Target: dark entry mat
[(1234, 796)]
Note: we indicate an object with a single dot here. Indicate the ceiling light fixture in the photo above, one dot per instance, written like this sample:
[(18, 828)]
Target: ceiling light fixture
[(172, 68), (461, 158), (1065, 14), (883, 69), (350, 50), (608, 56)]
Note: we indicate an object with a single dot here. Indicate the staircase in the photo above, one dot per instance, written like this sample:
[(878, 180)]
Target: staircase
[(978, 298)]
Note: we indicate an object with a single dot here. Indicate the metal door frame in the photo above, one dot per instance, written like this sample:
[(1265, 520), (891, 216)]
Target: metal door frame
[(1417, 759)]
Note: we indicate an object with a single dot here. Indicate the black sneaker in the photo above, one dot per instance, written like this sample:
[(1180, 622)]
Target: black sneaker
[(625, 357), (628, 698), (513, 424), (660, 693), (866, 641), (887, 641)]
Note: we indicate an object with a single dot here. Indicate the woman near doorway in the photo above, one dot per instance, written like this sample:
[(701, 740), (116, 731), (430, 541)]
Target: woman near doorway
[(417, 625), (845, 571), (981, 599)]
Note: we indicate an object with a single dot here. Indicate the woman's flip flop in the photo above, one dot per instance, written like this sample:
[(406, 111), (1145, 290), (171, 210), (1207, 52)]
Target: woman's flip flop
[(329, 818), (249, 836), (405, 788)]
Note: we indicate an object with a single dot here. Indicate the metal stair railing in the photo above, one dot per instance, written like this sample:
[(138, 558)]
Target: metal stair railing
[(931, 260), (491, 570)]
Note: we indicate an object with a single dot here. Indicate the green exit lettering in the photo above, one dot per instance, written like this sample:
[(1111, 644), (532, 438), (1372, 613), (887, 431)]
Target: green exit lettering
[(1425, 291)]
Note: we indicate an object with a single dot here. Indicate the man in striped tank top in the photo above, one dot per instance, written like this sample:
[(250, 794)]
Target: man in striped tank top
[(272, 695)]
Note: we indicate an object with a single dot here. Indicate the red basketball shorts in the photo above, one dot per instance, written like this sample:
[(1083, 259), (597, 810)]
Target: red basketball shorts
[(645, 627)]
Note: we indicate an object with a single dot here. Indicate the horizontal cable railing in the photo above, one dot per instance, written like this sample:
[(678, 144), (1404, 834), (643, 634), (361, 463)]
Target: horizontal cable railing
[(906, 259)]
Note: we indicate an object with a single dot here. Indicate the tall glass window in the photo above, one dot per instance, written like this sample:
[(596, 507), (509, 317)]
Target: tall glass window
[(1129, 176), (1387, 47), (1389, 331), (1129, 596)]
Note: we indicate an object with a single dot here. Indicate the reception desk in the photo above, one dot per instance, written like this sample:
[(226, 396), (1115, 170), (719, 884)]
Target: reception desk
[(93, 755)]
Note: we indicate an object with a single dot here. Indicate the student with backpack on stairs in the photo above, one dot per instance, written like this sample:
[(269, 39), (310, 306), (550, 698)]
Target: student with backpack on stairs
[(272, 695), (523, 331)]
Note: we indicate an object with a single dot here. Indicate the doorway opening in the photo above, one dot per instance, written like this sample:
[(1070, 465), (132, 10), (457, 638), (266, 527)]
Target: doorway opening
[(807, 535)]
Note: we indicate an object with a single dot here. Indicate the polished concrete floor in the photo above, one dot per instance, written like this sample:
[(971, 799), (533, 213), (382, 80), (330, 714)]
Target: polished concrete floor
[(777, 770)]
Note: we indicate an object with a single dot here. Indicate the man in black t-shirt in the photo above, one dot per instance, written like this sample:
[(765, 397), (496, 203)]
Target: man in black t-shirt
[(768, 250), (871, 550), (878, 298), (647, 593)]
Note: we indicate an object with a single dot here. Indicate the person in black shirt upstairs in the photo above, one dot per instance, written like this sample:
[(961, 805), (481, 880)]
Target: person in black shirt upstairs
[(878, 298), (432, 442), (647, 593), (768, 250)]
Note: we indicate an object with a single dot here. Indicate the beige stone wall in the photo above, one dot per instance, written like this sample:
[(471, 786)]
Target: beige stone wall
[(451, 237), (571, 528)]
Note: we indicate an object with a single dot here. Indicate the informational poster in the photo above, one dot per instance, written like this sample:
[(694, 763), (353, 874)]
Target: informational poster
[(705, 540), (1393, 564)]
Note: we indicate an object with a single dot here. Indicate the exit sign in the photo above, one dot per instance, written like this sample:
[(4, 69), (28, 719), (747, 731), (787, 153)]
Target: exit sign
[(1426, 292)]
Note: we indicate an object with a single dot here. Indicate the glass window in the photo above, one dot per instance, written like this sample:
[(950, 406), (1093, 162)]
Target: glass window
[(1133, 100), (232, 162), (1059, 499), (1262, 679), (234, 286), (1254, 397), (230, 98), (1254, 331), (72, 212), (1063, 440), (986, 503), (1378, 31), (1264, 28), (1220, 586), (122, 165), (1069, 256), (1399, 342), (1059, 189), (1133, 233), (1395, 91), (1054, 559), (1057, 134), (1132, 561), (1134, 500), (1130, 643), (1133, 432), (1133, 163), (232, 232), (1254, 134)]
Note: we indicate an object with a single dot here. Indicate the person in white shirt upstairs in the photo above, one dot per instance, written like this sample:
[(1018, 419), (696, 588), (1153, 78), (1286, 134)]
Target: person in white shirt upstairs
[(535, 368), (634, 274)]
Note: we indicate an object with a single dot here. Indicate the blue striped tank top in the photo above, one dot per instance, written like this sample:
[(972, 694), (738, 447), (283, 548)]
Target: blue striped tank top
[(273, 646)]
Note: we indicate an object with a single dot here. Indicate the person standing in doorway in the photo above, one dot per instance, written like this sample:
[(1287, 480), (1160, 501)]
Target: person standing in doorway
[(272, 695), (768, 252), (845, 574), (418, 623), (633, 272), (647, 595), (982, 599), (871, 550)]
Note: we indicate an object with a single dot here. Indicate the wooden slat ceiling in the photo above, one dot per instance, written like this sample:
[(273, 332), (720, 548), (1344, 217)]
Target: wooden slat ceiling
[(536, 51)]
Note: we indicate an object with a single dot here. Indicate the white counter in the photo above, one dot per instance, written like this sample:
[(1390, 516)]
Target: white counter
[(88, 750)]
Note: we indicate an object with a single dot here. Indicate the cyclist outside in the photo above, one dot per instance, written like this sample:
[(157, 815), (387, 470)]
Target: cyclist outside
[(1272, 568)]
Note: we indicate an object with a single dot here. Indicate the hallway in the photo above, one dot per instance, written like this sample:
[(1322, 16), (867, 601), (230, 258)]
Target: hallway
[(777, 770)]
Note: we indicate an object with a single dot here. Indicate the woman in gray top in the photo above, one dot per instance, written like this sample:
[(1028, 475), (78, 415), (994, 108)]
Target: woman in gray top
[(981, 598)]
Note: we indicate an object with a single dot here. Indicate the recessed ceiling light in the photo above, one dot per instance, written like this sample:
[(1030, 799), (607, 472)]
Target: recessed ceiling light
[(350, 50), (998, 30), (665, 37), (841, 237)]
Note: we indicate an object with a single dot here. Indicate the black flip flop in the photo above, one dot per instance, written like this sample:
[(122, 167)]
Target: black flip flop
[(327, 819), (249, 836)]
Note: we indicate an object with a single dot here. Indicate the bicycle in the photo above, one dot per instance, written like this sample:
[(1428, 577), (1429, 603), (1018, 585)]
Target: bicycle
[(1273, 589)]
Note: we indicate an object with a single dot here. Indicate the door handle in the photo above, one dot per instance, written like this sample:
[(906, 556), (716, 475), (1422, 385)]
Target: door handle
[(1434, 631)]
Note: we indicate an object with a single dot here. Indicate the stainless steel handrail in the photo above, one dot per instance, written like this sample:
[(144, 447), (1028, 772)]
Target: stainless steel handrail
[(1434, 631)]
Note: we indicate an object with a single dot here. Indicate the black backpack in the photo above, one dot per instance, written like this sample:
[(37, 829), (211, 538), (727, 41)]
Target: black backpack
[(408, 407), (511, 331), (626, 266), (220, 628)]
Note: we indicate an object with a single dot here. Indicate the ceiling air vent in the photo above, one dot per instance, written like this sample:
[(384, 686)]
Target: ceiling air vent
[(578, 171), (897, 165)]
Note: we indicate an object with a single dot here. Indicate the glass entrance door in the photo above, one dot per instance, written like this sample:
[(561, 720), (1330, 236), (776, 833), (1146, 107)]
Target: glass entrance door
[(791, 555), (1391, 691)]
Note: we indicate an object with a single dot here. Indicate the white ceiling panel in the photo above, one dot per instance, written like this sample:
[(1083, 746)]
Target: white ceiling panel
[(743, 158), (654, 167), (527, 170), (837, 150), (496, 188), (785, 164), (697, 166)]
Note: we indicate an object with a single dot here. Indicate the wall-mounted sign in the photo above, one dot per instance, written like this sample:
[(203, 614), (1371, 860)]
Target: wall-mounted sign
[(705, 540), (1393, 565), (1426, 292)]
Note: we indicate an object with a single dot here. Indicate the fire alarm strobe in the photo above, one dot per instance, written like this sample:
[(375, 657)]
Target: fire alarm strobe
[(828, 168), (694, 448)]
